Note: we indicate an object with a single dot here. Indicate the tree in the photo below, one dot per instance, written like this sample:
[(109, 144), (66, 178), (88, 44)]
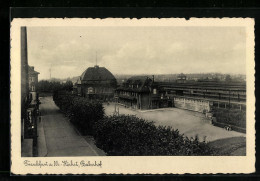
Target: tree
[(228, 78), (68, 85)]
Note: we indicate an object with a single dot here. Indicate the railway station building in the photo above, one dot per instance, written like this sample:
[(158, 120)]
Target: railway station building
[(96, 83), (203, 96), (141, 92)]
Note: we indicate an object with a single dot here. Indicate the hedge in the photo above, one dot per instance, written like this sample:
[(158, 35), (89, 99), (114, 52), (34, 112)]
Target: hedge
[(131, 136), (223, 125), (82, 113), (232, 117)]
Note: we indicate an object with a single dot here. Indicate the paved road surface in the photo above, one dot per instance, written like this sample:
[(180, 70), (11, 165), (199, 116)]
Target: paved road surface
[(187, 122), (61, 138)]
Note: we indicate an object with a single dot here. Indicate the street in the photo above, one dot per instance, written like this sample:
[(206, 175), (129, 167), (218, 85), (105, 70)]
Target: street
[(59, 137)]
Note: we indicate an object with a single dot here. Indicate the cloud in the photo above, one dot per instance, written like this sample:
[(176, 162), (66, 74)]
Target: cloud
[(131, 56), (132, 50)]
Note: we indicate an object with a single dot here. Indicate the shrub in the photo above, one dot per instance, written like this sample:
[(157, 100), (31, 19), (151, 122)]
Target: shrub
[(230, 116), (128, 136), (82, 113)]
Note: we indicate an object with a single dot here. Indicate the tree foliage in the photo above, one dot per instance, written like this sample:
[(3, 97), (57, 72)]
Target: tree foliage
[(51, 86), (81, 112), (131, 136), (230, 116), (228, 78)]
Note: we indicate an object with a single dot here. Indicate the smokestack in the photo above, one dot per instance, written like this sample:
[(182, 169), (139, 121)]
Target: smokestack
[(24, 78), (153, 78), (24, 62), (24, 46)]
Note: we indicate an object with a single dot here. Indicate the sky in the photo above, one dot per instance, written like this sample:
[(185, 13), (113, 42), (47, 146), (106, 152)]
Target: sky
[(68, 51)]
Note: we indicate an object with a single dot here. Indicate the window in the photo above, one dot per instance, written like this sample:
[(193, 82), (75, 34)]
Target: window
[(33, 88), (31, 79), (154, 91), (90, 90)]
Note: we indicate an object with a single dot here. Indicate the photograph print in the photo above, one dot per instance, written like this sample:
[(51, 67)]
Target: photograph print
[(150, 89)]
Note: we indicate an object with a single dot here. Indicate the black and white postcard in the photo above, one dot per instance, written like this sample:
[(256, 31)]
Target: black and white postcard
[(132, 96)]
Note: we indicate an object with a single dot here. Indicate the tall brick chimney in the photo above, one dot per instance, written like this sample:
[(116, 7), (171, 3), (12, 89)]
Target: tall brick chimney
[(24, 78), (24, 63)]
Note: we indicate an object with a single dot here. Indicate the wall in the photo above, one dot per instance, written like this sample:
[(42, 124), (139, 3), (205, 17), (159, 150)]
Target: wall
[(34, 96), (191, 104), (79, 90), (145, 101), (164, 103), (155, 104)]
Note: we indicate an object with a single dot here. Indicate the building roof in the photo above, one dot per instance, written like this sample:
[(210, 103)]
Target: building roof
[(31, 70), (137, 80), (97, 73), (181, 75), (144, 84)]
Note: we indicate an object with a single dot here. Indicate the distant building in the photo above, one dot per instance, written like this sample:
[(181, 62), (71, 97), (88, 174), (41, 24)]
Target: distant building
[(140, 92), (96, 83), (33, 86), (33, 79), (63, 81), (181, 78)]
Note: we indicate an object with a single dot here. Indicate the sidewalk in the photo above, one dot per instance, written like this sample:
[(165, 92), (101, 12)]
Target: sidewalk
[(42, 148), (58, 137), (27, 148)]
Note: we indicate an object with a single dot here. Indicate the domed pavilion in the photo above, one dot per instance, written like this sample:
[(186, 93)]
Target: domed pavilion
[(97, 83)]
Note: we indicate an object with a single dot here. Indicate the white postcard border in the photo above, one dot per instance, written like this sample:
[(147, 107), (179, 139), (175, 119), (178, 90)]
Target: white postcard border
[(133, 164)]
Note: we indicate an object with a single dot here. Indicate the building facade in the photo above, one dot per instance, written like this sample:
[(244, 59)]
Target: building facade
[(181, 78), (202, 96), (141, 92), (33, 83), (29, 101), (96, 83)]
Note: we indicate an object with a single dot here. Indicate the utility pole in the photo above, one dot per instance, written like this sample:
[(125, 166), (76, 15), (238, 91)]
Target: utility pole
[(96, 58), (50, 73)]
